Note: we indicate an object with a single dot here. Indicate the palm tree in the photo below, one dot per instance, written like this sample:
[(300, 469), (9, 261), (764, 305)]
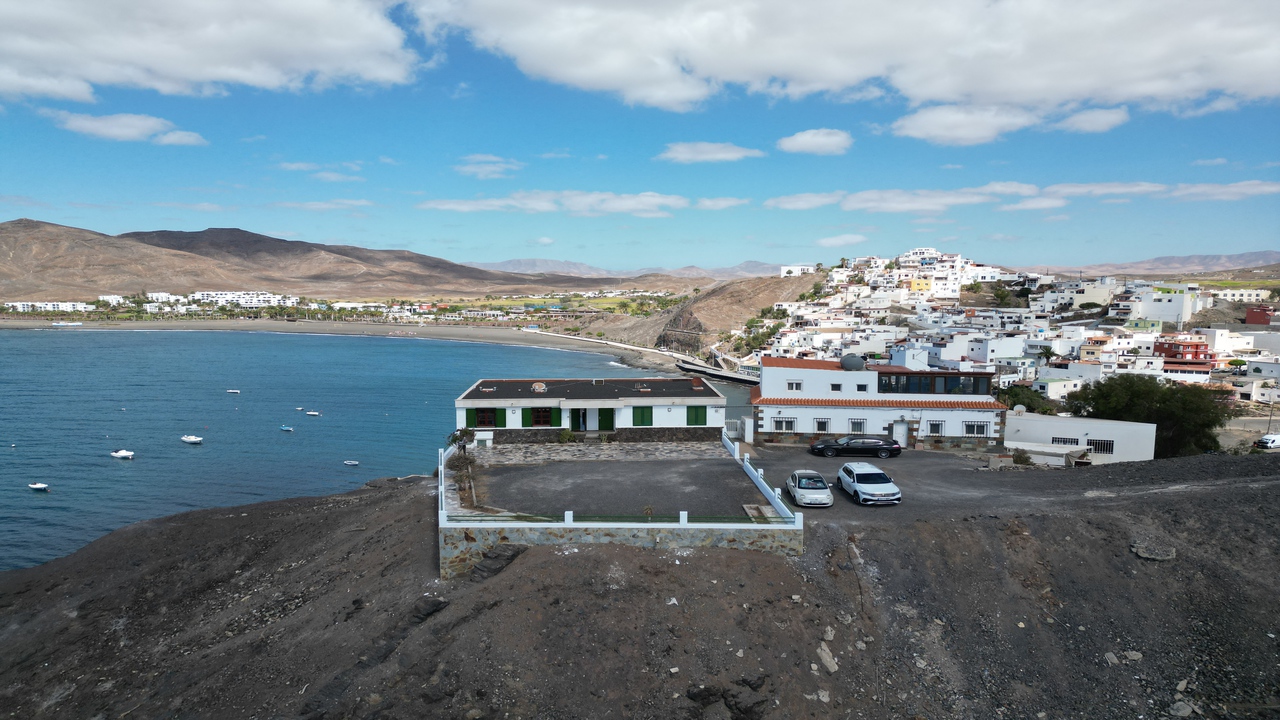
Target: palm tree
[(1047, 354)]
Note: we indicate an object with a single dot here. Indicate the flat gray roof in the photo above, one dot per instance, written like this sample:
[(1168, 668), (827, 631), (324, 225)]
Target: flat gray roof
[(593, 389)]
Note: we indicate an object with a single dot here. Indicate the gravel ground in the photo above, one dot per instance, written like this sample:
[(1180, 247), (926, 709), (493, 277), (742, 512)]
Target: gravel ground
[(1051, 606)]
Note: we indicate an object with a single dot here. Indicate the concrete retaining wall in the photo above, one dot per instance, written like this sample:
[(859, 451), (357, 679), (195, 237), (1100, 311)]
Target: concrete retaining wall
[(462, 547)]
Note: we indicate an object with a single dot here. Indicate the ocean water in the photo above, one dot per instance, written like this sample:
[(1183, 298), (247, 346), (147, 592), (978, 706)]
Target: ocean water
[(70, 397)]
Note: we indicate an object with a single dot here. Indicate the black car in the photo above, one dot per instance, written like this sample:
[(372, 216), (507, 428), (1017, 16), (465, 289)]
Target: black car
[(857, 445)]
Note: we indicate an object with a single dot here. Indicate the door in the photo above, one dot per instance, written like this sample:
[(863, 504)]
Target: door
[(900, 432), (578, 420), (606, 419)]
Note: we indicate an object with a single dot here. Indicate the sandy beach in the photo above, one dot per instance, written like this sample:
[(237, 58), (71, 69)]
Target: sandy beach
[(464, 333)]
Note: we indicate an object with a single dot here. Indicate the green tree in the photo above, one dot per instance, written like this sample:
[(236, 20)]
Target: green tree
[(1088, 306), (1033, 401), (461, 437), (1047, 354), (1001, 296), (1185, 416)]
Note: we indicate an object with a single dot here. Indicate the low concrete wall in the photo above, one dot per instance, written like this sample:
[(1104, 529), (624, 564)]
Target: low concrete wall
[(462, 547), (667, 434)]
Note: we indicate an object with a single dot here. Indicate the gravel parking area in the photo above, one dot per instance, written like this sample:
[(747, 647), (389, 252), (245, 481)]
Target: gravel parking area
[(701, 487)]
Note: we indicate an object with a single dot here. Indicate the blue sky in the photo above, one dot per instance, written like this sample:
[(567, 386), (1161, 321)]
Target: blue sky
[(664, 133)]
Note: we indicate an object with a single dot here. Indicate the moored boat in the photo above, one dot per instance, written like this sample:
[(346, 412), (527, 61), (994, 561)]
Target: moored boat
[(234, 392), (123, 454), (192, 439), (352, 463), (313, 412), (286, 428), (38, 487)]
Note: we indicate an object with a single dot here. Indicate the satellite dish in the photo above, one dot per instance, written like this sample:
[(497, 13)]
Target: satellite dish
[(852, 362), (1019, 409)]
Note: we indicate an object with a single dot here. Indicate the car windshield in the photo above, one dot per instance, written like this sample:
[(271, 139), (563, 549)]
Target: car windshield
[(809, 482), (873, 479)]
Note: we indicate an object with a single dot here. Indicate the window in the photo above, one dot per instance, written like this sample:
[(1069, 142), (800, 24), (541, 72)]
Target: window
[(486, 417), (835, 387), (857, 427), (822, 425), (795, 385), (696, 415), (1102, 447), (975, 429), (1065, 441), (862, 387), (541, 416), (937, 427), (641, 416), (781, 424)]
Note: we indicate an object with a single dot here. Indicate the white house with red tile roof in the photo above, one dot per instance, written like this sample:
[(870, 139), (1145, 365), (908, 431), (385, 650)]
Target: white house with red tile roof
[(800, 400)]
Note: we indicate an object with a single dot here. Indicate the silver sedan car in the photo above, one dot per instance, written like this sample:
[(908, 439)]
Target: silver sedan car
[(809, 489)]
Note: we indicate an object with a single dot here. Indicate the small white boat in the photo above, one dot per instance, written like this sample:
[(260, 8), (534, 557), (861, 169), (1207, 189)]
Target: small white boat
[(297, 408), (313, 412), (38, 487), (123, 454), (234, 392), (352, 463), (286, 428), (192, 439)]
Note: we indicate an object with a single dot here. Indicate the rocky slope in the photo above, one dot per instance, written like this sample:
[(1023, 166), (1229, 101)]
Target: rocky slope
[(329, 607)]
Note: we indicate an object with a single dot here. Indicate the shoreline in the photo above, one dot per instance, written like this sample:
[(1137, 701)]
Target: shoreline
[(645, 360)]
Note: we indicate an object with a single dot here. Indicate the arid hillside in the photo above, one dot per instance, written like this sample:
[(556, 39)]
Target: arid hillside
[(43, 261)]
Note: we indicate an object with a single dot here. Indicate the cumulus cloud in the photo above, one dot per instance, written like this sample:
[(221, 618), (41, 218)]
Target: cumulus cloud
[(700, 152), (1103, 188), (303, 166), (914, 201), (329, 176), (805, 201), (720, 203), (1233, 191), (1212, 161), (1095, 121), (574, 202), (823, 141), (487, 167), (64, 48), (544, 241), (124, 127), (322, 205), (963, 124), (840, 240), (1036, 203)]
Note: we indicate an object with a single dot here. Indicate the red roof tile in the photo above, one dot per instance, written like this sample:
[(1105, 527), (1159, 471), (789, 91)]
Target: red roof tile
[(770, 361), (903, 403)]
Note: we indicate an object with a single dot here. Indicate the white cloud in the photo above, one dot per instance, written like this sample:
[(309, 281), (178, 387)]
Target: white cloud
[(700, 152), (951, 166), (823, 141), (805, 201), (574, 202), (554, 155), (388, 160), (123, 127), (1213, 161), (179, 137), (1057, 218), (1234, 191), (329, 176), (1105, 188), (1006, 188), (932, 221), (64, 48), (963, 124), (198, 207), (544, 241), (304, 166), (917, 201), (487, 167), (720, 203), (322, 205), (840, 240), (1095, 121), (1036, 203), (1117, 201)]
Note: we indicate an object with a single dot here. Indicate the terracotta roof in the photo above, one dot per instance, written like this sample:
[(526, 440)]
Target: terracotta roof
[(770, 361), (756, 399)]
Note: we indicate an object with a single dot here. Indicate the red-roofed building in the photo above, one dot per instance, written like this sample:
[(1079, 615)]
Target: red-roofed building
[(800, 400)]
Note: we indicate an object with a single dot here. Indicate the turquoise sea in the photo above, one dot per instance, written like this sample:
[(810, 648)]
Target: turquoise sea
[(70, 397)]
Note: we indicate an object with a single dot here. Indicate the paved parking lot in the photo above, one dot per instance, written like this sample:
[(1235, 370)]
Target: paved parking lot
[(699, 487)]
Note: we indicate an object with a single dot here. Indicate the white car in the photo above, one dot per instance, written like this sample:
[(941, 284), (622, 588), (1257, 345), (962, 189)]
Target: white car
[(809, 488), (1268, 442), (868, 484)]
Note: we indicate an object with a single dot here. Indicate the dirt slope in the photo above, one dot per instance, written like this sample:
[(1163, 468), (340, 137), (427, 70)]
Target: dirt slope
[(42, 261), (327, 607)]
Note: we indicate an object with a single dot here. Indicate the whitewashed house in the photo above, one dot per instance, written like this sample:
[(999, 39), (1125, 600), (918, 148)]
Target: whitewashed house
[(1050, 437)]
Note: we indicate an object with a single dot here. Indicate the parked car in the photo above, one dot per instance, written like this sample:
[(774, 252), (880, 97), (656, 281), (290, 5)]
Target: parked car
[(868, 484), (1267, 442), (857, 445), (809, 488)]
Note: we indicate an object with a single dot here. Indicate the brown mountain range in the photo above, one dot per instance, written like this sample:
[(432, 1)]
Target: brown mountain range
[(43, 261)]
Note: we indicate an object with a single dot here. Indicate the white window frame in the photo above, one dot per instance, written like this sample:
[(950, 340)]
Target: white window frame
[(795, 386), (836, 387), (1102, 447), (861, 387), (857, 426), (825, 421), (779, 422), (1064, 441), (941, 428), (977, 428)]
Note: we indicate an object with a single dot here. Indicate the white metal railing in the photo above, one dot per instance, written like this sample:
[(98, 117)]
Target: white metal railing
[(774, 495)]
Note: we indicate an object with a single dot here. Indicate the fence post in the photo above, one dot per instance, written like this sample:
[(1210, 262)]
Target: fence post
[(568, 517), (684, 517)]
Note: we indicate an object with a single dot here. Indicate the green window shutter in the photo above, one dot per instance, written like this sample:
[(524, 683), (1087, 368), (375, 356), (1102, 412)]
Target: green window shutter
[(500, 417), (526, 417), (642, 416), (471, 417), (696, 415), (555, 417)]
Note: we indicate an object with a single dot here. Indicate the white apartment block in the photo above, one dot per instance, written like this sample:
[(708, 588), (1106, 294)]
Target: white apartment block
[(111, 300), (1241, 295), (794, 270), (54, 306), (244, 298)]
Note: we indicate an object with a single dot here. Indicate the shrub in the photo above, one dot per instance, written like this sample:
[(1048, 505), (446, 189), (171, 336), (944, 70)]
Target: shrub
[(1021, 457), (565, 436)]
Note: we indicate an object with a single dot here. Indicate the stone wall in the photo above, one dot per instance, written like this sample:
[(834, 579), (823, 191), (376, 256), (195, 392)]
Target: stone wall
[(513, 436), (462, 547), (667, 434)]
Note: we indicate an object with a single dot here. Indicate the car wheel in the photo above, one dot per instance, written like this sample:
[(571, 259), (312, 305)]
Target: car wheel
[(860, 500), (829, 452), (882, 453)]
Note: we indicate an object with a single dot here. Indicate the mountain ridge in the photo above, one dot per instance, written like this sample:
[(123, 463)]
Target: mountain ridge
[(747, 268)]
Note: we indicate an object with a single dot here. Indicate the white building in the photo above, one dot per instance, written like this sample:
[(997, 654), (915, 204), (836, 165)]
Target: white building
[(1241, 295), (1056, 388), (801, 400), (1107, 441), (244, 298), (111, 300), (793, 270), (53, 306)]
